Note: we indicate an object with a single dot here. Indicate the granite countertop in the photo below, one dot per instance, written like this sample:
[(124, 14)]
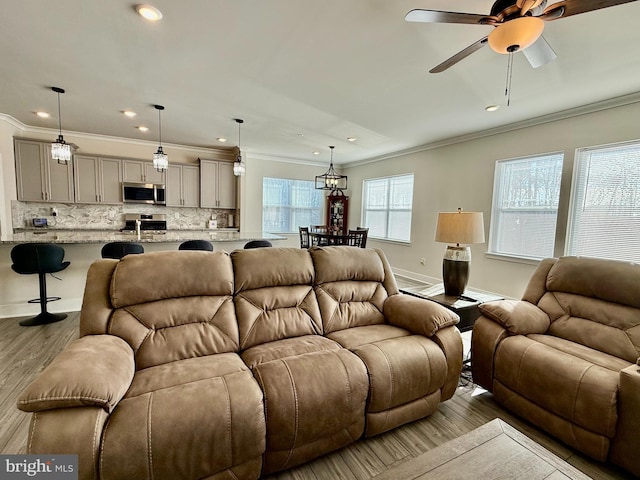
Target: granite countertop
[(103, 236)]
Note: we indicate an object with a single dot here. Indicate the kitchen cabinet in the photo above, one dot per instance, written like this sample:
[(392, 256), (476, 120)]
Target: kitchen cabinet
[(39, 178), (217, 184), (183, 186), (97, 180), (139, 171)]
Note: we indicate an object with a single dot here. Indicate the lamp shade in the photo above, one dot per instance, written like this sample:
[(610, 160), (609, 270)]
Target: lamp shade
[(516, 34), (460, 227)]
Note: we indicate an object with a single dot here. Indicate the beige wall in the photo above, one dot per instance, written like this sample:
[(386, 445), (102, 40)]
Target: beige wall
[(457, 175), (461, 175)]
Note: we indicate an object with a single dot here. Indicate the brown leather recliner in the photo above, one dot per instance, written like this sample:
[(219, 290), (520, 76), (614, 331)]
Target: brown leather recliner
[(564, 357), (213, 365)]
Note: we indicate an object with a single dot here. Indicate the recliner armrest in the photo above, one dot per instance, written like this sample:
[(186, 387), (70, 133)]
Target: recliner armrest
[(518, 317), (418, 315), (95, 370)]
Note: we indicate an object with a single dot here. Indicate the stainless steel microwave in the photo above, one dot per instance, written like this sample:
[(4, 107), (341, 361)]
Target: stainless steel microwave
[(149, 193)]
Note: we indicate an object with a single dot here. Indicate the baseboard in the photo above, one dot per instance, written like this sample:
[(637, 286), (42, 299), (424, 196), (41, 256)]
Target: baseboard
[(415, 276), (63, 305)]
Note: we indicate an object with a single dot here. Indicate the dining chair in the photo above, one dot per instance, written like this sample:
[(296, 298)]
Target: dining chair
[(304, 237), (319, 228), (357, 238)]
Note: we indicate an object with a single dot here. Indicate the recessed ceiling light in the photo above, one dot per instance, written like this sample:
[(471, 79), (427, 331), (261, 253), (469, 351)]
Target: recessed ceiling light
[(143, 128), (221, 139), (129, 113), (316, 152), (351, 139), (491, 108), (43, 114), (149, 12)]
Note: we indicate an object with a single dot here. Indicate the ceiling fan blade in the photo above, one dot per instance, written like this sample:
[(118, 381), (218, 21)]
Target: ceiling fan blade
[(459, 56), (539, 53), (574, 7), (436, 16)]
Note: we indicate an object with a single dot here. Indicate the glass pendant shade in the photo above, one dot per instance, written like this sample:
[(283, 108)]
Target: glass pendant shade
[(516, 34), (331, 180), (60, 150), (239, 167), (160, 159)]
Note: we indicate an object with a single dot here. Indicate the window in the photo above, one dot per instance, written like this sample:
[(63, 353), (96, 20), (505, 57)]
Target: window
[(387, 206), (288, 204), (604, 217), (525, 206)]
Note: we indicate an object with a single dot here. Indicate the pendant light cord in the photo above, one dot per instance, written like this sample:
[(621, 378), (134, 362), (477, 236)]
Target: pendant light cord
[(507, 88), (59, 116), (160, 127)]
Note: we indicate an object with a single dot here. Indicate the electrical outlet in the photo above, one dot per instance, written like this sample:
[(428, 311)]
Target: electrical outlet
[(176, 215), (422, 262), (54, 212)]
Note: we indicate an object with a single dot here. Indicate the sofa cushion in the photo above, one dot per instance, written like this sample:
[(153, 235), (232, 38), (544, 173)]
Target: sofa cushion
[(163, 428), (314, 404), (608, 280), (274, 295), (518, 317), (568, 386), (355, 337), (174, 305), (288, 347)]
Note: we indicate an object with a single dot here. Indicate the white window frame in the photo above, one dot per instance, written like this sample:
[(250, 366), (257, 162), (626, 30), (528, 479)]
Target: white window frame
[(293, 208), (388, 209), (498, 212), (605, 223)]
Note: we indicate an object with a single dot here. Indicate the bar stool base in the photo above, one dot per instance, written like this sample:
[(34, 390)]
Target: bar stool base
[(43, 318)]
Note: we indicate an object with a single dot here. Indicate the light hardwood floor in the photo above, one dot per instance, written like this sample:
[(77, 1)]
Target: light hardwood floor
[(25, 351)]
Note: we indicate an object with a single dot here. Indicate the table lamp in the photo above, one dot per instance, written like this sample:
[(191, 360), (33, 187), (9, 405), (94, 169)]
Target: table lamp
[(459, 228)]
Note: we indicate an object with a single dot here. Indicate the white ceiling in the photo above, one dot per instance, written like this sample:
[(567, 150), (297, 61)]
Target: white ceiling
[(303, 74)]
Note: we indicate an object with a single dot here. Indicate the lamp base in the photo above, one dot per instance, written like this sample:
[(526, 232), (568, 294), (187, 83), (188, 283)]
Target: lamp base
[(455, 270)]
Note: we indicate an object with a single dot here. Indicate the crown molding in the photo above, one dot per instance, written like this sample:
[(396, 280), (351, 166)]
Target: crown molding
[(296, 161), (608, 104), (26, 130)]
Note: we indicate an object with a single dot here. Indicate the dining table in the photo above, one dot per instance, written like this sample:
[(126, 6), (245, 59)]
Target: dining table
[(328, 238)]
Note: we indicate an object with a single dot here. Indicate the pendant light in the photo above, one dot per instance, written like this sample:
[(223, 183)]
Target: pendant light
[(238, 166), (60, 150), (160, 159), (331, 180)]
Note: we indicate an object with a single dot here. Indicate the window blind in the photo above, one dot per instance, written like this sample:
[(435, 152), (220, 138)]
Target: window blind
[(387, 204), (604, 217), (526, 192), (289, 204)]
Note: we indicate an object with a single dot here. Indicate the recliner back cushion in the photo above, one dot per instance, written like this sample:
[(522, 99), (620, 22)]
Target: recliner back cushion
[(173, 305), (595, 303), (352, 285), (274, 295)]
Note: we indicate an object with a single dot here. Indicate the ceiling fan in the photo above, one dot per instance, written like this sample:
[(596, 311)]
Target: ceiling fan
[(518, 26)]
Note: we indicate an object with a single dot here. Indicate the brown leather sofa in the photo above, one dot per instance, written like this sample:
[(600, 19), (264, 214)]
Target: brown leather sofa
[(228, 366), (564, 357)]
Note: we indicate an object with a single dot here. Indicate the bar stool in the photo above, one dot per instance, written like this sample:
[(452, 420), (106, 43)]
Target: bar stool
[(40, 258), (258, 244), (196, 245), (118, 250)]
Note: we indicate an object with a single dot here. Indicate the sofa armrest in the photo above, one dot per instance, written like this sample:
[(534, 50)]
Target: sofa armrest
[(518, 317), (95, 370), (418, 315), (626, 443)]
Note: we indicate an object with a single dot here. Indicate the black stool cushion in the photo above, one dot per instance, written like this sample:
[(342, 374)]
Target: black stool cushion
[(196, 245), (31, 258), (118, 250), (258, 244)]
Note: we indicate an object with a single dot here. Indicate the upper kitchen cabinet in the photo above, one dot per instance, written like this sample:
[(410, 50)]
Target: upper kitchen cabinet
[(183, 186), (217, 184), (40, 178), (97, 179), (139, 171)]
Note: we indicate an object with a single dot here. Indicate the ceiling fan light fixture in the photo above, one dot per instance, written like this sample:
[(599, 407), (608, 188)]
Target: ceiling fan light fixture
[(515, 35)]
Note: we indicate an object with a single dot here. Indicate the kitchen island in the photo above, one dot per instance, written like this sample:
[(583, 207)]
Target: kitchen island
[(82, 248)]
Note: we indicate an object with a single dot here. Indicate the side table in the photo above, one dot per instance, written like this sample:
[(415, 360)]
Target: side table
[(466, 306)]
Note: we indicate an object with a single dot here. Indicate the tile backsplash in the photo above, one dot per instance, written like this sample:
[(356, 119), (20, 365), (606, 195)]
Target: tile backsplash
[(111, 217)]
